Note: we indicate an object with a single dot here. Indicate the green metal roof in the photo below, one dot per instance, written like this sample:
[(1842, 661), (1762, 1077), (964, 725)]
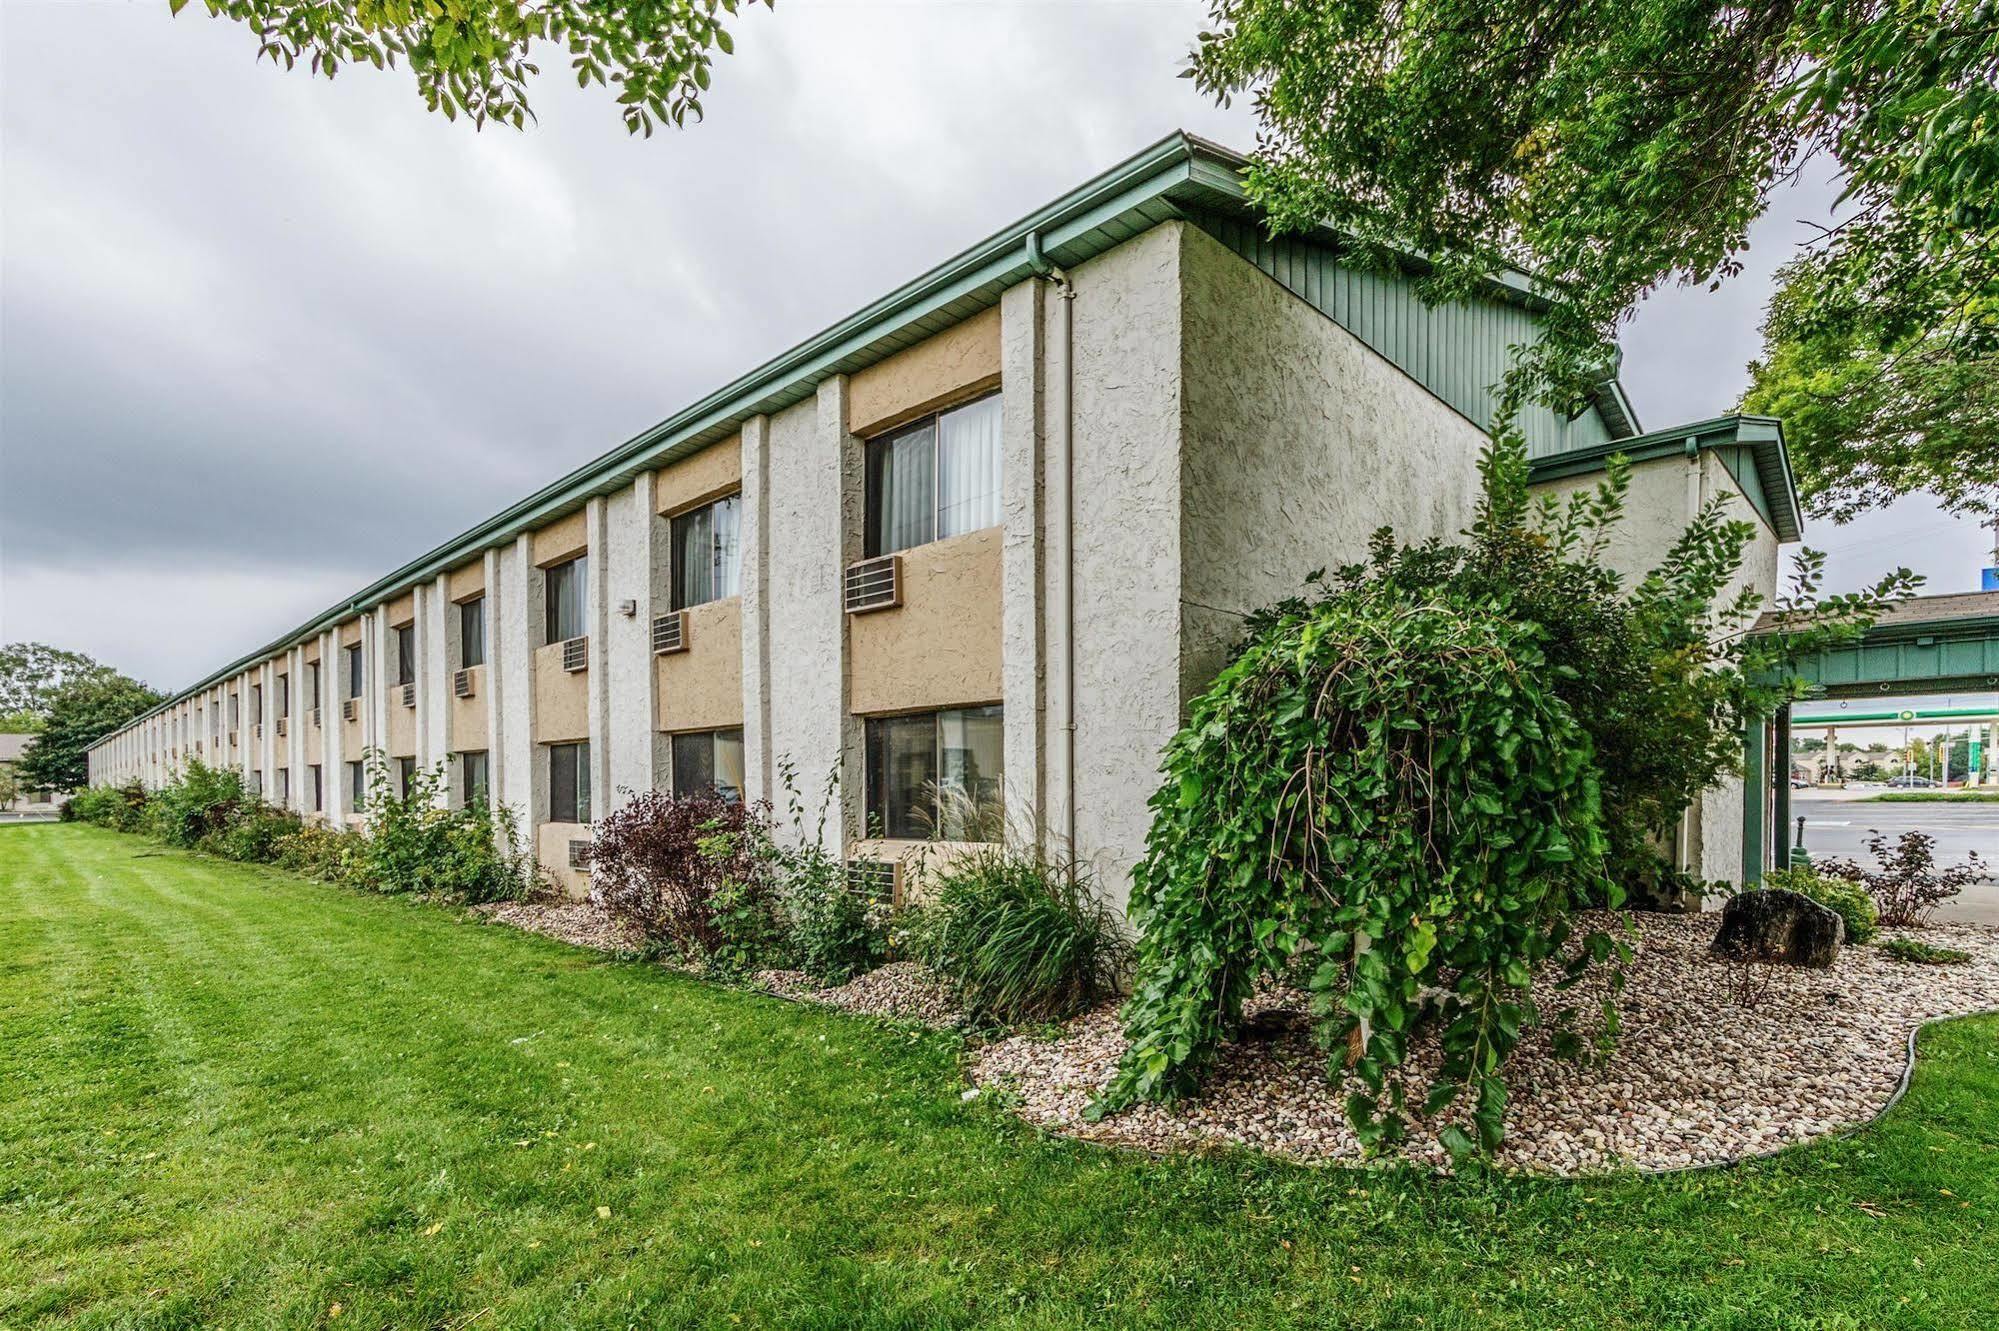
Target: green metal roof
[(1180, 176), (1752, 447)]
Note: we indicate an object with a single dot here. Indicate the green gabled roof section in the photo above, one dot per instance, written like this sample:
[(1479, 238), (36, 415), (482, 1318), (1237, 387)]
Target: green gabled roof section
[(1751, 447), (1179, 177)]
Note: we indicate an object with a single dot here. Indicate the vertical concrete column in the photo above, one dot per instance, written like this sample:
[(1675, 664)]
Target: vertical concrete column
[(437, 635), (516, 774), (848, 461), (1023, 639), (496, 672), (604, 571), (631, 708), (381, 669), (758, 771), (328, 734)]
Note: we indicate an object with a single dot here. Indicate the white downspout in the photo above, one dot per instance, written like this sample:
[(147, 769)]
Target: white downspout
[(1063, 473)]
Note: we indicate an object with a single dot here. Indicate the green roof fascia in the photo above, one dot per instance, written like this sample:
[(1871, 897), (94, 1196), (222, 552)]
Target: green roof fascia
[(1763, 436)]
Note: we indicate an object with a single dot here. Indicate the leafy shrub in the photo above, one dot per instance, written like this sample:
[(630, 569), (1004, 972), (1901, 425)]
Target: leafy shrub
[(331, 854), (1908, 886), (121, 808), (835, 931), (1019, 939), (1919, 953), (415, 845), (252, 835), (1839, 895), (198, 803), (683, 871)]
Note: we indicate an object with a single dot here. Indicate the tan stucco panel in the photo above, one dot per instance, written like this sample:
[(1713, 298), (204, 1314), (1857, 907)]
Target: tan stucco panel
[(551, 852), (466, 581), (941, 647), (350, 633), (561, 699), (702, 687), (402, 610), (468, 715), (921, 861), (713, 472), (402, 727), (565, 538), (957, 363)]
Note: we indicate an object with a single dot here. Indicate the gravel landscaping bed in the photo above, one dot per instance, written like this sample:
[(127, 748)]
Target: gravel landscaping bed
[(899, 991), (576, 922), (1694, 1079)]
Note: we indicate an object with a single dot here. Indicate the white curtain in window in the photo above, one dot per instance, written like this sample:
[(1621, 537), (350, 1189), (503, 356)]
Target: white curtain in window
[(968, 464), (727, 569), (905, 490)]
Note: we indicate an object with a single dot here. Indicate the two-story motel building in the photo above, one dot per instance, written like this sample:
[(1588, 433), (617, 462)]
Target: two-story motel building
[(973, 547)]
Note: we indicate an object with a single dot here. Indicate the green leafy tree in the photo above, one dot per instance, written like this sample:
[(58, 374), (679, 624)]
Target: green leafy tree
[(80, 713), (476, 57), (30, 675), (1610, 148)]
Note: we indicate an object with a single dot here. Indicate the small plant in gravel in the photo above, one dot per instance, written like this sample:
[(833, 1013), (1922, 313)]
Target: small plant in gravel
[(1842, 896), (1917, 952), (1019, 938), (1908, 885)]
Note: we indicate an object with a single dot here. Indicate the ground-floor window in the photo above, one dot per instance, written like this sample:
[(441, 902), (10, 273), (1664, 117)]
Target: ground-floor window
[(405, 773), (317, 790), (709, 760), (935, 776), (569, 783), (284, 785), (256, 784), (473, 778), (357, 786)]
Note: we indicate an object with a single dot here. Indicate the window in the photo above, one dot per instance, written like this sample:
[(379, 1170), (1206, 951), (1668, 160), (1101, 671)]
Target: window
[(563, 588), (472, 778), (472, 633), (256, 784), (405, 773), (710, 760), (357, 786), (233, 710), (284, 695), (707, 563), (935, 775), (406, 654), (353, 670), (937, 477), (256, 704), (284, 785), (314, 788), (312, 683), (569, 783)]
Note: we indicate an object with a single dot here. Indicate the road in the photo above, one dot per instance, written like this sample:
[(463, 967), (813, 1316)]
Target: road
[(1838, 823)]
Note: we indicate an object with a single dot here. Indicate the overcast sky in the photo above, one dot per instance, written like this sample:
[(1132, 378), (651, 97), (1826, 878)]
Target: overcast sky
[(264, 338)]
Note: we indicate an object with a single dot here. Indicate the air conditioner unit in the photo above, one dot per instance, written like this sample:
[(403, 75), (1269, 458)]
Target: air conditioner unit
[(350, 708), (315, 718), (579, 854), (877, 880), (461, 683), (669, 633), (257, 730), (281, 727), (409, 695), (576, 655), (873, 584), (232, 739)]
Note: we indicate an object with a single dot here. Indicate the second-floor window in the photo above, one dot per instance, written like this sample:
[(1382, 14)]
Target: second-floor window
[(933, 478), (707, 557), (563, 589), (312, 683), (406, 654), (284, 695), (256, 704), (354, 671), (472, 633)]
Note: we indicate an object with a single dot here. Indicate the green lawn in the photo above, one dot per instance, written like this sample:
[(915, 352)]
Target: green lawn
[(234, 1098), (1933, 797)]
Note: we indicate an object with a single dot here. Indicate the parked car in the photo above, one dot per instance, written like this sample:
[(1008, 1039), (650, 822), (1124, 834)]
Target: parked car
[(1799, 783), (1912, 782)]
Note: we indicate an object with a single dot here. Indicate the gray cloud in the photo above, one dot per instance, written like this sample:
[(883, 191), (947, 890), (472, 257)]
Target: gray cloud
[(267, 337)]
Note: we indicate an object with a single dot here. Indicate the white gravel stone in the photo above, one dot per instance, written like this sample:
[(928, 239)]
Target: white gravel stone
[(1693, 1079), (576, 922)]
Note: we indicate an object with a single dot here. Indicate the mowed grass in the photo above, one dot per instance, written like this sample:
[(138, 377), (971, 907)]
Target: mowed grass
[(233, 1098)]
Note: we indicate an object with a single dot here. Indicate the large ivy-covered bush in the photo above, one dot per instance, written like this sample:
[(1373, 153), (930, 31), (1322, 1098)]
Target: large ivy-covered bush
[(1411, 779)]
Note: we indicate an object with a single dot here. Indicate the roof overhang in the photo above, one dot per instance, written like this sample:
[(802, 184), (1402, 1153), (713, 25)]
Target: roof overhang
[(1760, 438)]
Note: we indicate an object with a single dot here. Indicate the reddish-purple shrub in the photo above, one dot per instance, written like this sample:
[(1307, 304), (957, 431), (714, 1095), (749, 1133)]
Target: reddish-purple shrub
[(683, 871), (1909, 886)]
